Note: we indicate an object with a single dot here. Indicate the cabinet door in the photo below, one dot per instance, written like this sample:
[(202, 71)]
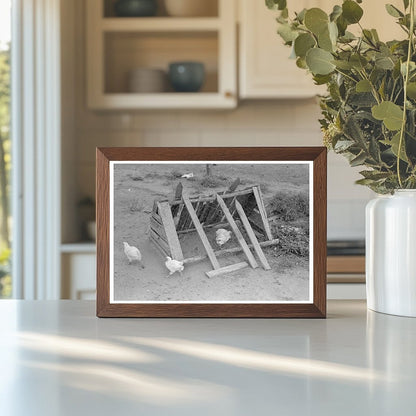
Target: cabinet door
[(265, 68)]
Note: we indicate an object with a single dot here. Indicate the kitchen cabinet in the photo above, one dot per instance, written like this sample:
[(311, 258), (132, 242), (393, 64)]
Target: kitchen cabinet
[(265, 70), (78, 263), (118, 45)]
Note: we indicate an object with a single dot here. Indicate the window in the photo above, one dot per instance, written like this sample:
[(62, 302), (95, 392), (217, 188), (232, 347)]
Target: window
[(5, 145)]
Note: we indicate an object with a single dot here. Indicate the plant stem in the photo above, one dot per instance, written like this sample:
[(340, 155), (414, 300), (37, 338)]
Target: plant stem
[(405, 81)]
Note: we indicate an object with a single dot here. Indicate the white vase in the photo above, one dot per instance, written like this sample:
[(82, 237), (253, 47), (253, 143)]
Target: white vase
[(391, 253)]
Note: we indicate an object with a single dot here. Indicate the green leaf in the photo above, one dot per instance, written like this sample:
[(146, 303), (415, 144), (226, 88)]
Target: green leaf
[(411, 90), (343, 145), (316, 20), (358, 61), (345, 65), (303, 43), (325, 42), (388, 112), (301, 15), (406, 4), (384, 62), (374, 174), (394, 145), (347, 37), (375, 35), (276, 4), (351, 11), (336, 12), (301, 63), (342, 25), (358, 160), (363, 86), (393, 11), (287, 33), (321, 79), (319, 61)]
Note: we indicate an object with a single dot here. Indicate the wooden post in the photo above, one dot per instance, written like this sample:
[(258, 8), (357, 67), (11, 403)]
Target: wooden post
[(201, 233), (237, 232), (170, 229), (227, 251), (262, 211), (252, 236)]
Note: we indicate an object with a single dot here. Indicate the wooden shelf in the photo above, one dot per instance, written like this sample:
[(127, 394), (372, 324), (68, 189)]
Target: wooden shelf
[(160, 24), (117, 45), (346, 264), (196, 100), (81, 247)]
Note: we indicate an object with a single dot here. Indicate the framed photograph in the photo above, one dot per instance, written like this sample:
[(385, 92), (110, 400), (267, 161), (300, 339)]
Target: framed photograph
[(211, 232)]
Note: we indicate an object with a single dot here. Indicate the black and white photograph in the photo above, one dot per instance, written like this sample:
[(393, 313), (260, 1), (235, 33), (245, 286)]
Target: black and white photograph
[(195, 232)]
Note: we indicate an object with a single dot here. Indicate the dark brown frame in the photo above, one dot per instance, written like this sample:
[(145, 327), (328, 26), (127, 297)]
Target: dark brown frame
[(317, 309)]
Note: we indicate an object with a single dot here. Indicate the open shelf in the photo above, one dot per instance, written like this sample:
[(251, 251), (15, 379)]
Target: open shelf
[(160, 24), (210, 10), (119, 45), (126, 51)]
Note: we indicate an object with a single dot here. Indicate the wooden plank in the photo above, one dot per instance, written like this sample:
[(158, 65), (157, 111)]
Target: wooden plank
[(170, 230), (252, 236), (205, 212), (159, 246), (213, 197), (237, 232), (227, 269), (262, 211), (182, 220), (178, 196), (178, 191), (229, 204), (229, 193), (233, 186), (161, 240), (178, 216), (228, 251), (201, 233), (158, 228), (188, 223), (219, 225)]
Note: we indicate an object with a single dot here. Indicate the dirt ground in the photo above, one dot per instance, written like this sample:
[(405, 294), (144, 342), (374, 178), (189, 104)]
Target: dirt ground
[(136, 186)]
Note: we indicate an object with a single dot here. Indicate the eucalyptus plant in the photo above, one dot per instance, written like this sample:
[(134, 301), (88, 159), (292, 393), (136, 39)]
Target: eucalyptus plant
[(369, 111)]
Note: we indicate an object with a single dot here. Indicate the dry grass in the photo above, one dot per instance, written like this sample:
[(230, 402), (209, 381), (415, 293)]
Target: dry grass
[(290, 206)]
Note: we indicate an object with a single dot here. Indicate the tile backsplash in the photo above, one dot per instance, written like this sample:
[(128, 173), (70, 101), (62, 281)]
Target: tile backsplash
[(257, 123)]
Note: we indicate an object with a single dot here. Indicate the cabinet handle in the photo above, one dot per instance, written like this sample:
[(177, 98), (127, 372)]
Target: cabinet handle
[(229, 94)]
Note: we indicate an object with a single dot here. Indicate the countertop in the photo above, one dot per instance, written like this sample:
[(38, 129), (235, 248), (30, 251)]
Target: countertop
[(57, 358)]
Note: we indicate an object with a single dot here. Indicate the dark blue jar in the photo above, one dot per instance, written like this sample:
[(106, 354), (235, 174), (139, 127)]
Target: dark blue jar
[(135, 8), (186, 76)]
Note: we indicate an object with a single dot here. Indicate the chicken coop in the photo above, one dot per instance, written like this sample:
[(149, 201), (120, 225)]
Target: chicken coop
[(241, 210)]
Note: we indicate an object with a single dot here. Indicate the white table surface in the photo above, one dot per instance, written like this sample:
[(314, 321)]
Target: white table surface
[(57, 358)]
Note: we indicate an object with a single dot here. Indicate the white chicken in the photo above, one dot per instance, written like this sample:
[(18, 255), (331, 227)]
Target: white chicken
[(174, 265), (222, 236), (188, 175), (133, 254)]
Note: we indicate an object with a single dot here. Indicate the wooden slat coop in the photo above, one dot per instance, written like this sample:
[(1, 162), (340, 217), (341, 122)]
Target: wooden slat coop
[(234, 208)]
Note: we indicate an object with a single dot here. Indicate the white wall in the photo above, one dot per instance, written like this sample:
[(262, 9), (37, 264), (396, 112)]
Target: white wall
[(256, 123)]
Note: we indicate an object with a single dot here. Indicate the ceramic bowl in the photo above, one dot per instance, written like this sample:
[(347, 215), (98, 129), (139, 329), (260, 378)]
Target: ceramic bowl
[(191, 8), (92, 230), (147, 80), (186, 76), (135, 8)]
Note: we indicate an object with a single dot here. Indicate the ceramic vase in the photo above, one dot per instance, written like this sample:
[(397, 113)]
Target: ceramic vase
[(391, 253)]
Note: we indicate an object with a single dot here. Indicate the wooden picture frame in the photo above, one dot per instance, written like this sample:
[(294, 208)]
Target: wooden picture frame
[(230, 205)]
